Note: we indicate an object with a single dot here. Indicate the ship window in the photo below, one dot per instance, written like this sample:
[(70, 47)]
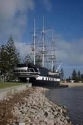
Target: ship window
[(49, 79), (42, 78), (46, 78), (43, 71), (30, 70), (21, 65)]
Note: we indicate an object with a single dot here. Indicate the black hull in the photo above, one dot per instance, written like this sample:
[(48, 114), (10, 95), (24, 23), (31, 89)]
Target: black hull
[(43, 83)]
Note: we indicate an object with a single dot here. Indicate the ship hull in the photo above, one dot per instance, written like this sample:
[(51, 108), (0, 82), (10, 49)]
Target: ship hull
[(45, 82)]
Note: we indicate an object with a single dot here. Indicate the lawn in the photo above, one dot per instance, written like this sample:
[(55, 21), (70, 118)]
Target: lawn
[(9, 84)]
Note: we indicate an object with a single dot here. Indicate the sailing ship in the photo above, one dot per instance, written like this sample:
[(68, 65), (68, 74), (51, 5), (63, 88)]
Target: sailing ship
[(35, 74)]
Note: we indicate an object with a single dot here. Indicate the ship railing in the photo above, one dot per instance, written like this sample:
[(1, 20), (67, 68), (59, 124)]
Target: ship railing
[(53, 73), (29, 70)]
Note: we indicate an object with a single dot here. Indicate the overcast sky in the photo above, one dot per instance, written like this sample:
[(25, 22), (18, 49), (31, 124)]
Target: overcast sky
[(65, 17)]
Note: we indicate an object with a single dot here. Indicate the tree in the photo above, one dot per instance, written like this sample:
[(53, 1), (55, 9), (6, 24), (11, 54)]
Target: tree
[(62, 74), (79, 76), (74, 75), (3, 59), (82, 77), (28, 59), (9, 57), (38, 60), (13, 55)]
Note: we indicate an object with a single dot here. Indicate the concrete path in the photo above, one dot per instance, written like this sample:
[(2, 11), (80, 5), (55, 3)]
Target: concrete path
[(4, 93), (72, 84)]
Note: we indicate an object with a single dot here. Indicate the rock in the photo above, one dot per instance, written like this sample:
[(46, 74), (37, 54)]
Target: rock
[(36, 109), (22, 123), (50, 122)]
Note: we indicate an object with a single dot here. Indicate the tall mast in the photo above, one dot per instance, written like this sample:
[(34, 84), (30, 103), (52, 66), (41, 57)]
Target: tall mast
[(43, 42), (52, 55), (34, 40)]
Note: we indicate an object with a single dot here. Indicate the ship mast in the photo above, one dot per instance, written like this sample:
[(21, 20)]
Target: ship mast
[(52, 55), (34, 40), (43, 42)]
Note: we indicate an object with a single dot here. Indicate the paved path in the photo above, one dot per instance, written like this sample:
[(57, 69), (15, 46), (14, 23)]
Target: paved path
[(72, 84), (4, 92)]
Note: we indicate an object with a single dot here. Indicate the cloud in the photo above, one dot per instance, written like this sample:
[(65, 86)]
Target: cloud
[(13, 17), (47, 4), (70, 52), (23, 48)]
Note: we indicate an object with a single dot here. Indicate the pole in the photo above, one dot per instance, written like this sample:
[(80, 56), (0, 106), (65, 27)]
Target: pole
[(43, 35), (34, 36)]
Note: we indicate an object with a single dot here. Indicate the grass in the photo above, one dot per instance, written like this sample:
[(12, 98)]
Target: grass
[(9, 84)]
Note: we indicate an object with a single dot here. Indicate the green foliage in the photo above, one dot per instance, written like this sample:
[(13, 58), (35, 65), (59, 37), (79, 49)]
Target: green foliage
[(13, 55), (28, 59), (76, 76), (38, 59), (9, 57), (62, 74), (9, 84), (3, 59)]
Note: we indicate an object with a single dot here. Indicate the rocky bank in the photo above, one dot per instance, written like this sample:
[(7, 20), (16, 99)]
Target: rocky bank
[(36, 109)]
